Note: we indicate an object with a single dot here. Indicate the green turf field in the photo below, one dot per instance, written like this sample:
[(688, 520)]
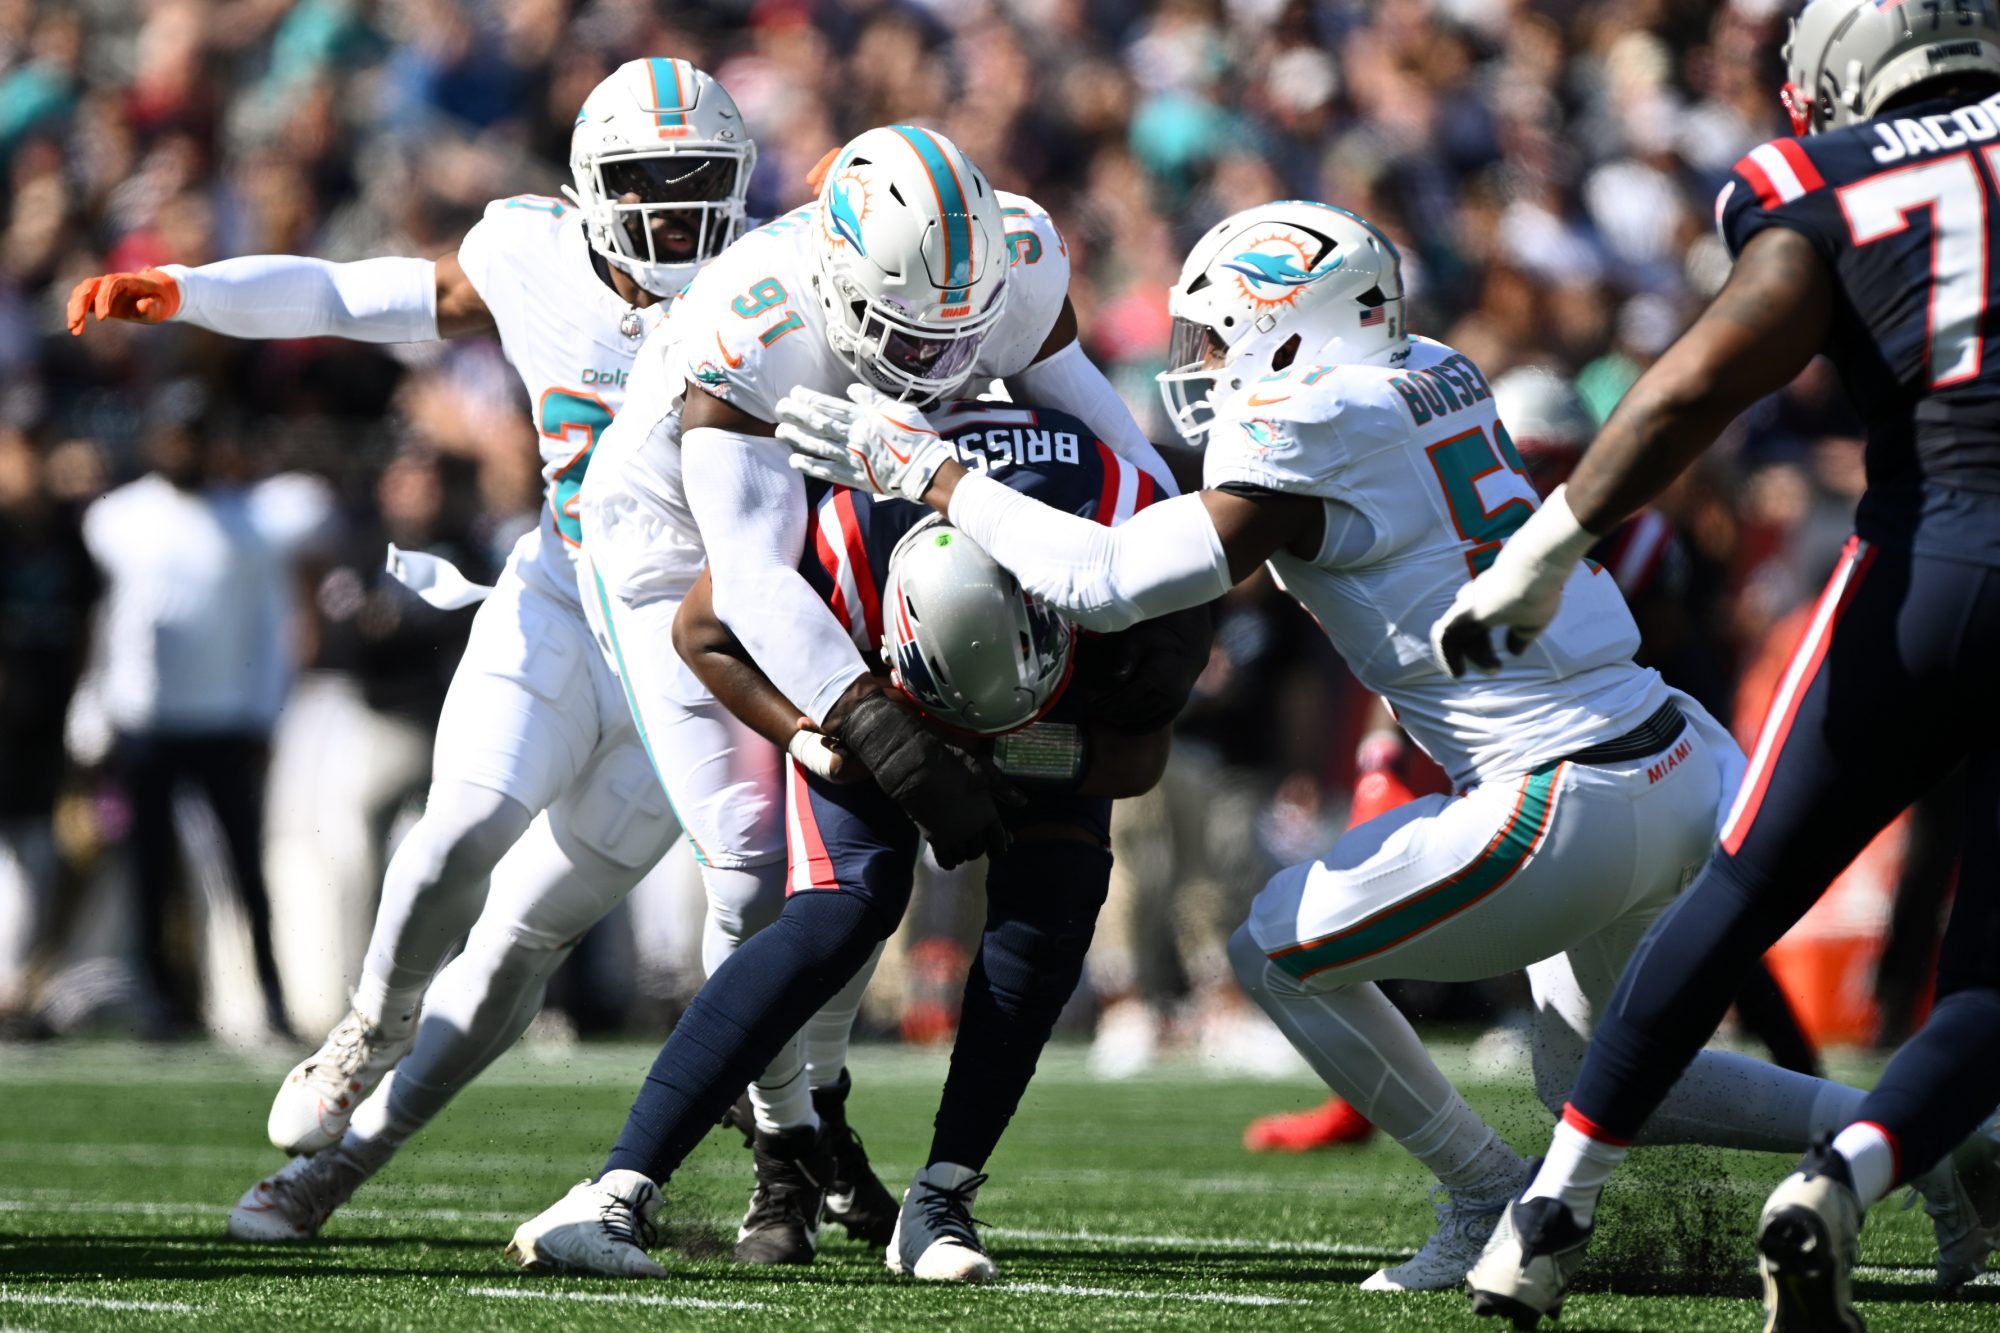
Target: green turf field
[(1123, 1205)]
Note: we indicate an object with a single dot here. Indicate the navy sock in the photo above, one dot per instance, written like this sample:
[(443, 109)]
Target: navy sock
[(1943, 1083), (1042, 903), (751, 1006)]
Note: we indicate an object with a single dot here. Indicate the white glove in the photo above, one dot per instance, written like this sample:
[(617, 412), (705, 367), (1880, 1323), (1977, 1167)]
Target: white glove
[(1521, 590), (870, 442)]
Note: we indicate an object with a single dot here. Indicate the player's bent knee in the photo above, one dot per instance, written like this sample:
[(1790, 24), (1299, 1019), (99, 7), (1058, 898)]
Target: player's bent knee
[(465, 830), (1248, 961)]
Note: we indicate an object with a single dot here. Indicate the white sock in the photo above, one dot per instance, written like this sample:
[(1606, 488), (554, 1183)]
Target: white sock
[(1871, 1159), (1726, 1100), (1575, 1170), (390, 1009), (781, 1098), (829, 1031), (1832, 1110), (372, 1136), (1366, 1051)]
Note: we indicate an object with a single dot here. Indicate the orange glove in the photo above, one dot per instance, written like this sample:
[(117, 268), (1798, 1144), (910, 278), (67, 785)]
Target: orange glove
[(817, 176), (146, 297)]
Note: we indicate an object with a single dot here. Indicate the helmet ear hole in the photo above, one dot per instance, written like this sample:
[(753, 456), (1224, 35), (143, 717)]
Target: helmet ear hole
[(1287, 352)]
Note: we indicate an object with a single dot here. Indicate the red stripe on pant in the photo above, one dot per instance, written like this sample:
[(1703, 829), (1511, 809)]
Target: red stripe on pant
[(1590, 1129), (811, 849), (1838, 595)]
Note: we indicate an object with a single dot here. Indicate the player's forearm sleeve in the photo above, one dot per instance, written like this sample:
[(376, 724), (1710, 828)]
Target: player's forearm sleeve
[(1164, 558), (288, 296), (751, 509), (1071, 382)]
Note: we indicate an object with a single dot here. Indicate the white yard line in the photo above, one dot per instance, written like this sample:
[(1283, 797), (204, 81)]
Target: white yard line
[(1122, 1239), (615, 1298), (94, 1302), (1203, 1297), (136, 1209), (1919, 1274)]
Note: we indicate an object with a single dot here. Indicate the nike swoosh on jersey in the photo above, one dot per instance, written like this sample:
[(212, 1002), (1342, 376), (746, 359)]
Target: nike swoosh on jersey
[(733, 362)]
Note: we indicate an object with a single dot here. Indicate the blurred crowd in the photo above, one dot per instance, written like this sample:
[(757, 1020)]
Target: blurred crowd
[(1547, 169)]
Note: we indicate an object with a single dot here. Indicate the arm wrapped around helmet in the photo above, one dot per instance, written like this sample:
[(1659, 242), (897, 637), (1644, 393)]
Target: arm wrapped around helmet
[(946, 790), (1139, 679)]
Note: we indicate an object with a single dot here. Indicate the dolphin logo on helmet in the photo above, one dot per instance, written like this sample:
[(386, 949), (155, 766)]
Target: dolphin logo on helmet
[(1288, 283), (912, 261)]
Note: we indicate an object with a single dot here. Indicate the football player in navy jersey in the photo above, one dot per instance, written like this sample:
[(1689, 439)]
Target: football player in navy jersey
[(1072, 725), (1869, 238)]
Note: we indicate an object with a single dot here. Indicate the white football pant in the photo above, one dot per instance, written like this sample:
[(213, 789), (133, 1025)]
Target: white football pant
[(1559, 872)]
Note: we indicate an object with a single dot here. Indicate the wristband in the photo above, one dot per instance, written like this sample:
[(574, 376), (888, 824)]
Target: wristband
[(1043, 752), (814, 753), (1551, 539)]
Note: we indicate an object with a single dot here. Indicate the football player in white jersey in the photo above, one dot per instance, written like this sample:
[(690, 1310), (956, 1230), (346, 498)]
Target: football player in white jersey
[(534, 722), (909, 272), (1369, 469)]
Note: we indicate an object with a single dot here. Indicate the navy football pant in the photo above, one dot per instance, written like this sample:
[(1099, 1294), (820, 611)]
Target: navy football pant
[(853, 853), (1894, 682)]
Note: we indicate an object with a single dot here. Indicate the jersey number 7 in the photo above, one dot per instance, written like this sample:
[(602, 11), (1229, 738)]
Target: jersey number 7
[(1951, 188)]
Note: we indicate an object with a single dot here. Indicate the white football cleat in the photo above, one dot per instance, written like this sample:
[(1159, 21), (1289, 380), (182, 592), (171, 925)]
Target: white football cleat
[(1962, 1196), (601, 1226), (934, 1240), (1464, 1225), (293, 1202), (321, 1094), (1524, 1271), (1807, 1240)]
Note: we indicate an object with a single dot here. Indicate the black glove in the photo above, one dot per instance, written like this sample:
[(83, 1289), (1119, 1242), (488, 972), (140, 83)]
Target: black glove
[(946, 790), (1138, 680)]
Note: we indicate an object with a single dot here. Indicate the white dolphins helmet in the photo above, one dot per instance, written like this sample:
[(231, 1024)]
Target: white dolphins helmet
[(1269, 275), (961, 638), (1845, 58), (669, 137), (912, 261)]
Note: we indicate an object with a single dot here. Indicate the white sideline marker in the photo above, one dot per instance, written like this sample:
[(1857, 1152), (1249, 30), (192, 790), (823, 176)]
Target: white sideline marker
[(95, 1303), (616, 1298), (1201, 1297)]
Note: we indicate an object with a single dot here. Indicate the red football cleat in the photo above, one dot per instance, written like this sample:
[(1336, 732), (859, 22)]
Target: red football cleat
[(1328, 1125)]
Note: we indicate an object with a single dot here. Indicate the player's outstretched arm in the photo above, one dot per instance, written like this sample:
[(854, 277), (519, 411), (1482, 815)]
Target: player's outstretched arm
[(1177, 554), (1063, 377), (1768, 321), (389, 300)]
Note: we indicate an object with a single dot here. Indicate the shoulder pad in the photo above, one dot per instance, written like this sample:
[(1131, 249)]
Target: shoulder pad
[(1769, 178), (743, 329), (1037, 286), (1296, 431), (522, 223)]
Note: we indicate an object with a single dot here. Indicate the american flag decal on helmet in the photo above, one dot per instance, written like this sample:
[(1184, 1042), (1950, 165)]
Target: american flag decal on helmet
[(1372, 316)]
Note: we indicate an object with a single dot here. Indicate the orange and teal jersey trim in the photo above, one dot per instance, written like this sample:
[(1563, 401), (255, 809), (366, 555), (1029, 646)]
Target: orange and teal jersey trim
[(1498, 862), (631, 703), (950, 193), (670, 97)]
